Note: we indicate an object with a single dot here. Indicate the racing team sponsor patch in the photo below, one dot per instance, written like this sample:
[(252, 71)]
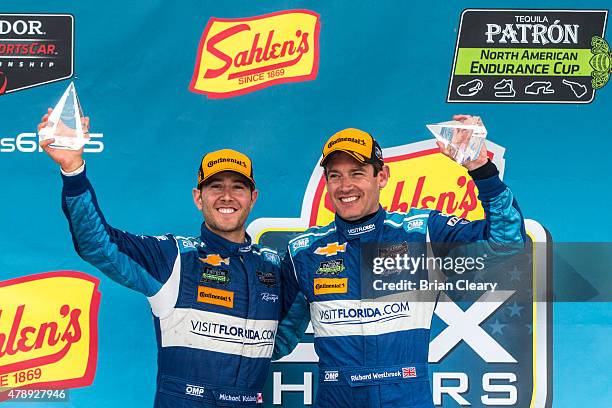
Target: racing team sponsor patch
[(331, 267), (215, 275), (323, 286), (391, 251), (267, 278), (215, 260), (331, 249), (215, 296), (242, 55)]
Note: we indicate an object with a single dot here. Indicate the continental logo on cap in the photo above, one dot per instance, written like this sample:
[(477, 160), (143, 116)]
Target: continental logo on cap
[(226, 160), (360, 142), (217, 297), (237, 56), (323, 286)]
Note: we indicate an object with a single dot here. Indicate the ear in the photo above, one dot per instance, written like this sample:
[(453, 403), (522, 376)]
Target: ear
[(254, 195), (383, 177), (197, 198)]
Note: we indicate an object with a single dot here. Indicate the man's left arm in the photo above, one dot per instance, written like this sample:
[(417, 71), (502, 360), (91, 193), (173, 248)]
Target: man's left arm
[(502, 232)]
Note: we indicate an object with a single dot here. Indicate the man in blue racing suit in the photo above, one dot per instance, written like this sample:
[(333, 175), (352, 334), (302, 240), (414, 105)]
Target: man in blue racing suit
[(373, 353), (215, 297)]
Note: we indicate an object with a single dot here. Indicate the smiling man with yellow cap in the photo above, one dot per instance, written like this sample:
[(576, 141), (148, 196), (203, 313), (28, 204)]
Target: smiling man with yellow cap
[(373, 353), (214, 298)]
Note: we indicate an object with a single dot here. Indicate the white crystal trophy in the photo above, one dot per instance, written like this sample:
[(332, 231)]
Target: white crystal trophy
[(64, 124), (465, 139)]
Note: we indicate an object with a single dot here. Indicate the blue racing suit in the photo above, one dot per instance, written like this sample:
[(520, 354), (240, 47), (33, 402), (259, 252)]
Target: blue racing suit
[(374, 353), (215, 303)]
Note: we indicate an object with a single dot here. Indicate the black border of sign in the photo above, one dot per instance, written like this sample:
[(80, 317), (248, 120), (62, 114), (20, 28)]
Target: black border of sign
[(72, 20), (452, 73)]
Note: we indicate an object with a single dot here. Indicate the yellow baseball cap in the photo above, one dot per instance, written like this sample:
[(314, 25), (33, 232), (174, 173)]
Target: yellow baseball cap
[(358, 144), (225, 160)]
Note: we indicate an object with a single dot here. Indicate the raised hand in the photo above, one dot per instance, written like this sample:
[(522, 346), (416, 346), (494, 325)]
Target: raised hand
[(460, 138), (69, 160)]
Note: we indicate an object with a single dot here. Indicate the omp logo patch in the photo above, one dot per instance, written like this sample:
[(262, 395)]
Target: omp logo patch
[(331, 376), (194, 390), (300, 243), (217, 297), (414, 224), (237, 56), (323, 286), (331, 249), (215, 260)]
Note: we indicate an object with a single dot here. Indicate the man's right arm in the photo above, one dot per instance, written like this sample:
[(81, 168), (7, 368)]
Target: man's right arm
[(295, 311), (138, 262), (142, 263)]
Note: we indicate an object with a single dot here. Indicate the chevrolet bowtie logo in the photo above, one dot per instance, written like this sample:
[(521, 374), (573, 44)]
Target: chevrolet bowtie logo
[(331, 249), (215, 260)]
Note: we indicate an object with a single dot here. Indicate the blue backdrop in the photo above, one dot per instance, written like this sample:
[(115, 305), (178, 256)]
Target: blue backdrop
[(383, 67)]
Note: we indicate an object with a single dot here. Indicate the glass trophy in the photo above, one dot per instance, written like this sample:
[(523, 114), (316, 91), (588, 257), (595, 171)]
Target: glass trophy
[(465, 139), (64, 124)]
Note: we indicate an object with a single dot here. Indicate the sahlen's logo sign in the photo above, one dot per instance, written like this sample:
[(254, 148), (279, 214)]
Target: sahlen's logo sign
[(481, 353), (48, 331), (237, 56), (35, 49)]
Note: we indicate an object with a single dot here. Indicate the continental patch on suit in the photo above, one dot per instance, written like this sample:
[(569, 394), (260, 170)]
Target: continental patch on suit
[(323, 286), (215, 296)]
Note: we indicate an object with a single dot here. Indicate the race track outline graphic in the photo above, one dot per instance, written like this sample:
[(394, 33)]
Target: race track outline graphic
[(470, 88), (505, 89), (539, 88), (578, 89)]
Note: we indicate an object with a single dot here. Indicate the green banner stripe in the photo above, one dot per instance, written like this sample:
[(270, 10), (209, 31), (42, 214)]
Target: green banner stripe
[(523, 62)]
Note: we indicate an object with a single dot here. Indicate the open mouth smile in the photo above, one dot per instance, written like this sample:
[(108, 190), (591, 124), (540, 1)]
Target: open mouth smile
[(349, 199), (226, 210)]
